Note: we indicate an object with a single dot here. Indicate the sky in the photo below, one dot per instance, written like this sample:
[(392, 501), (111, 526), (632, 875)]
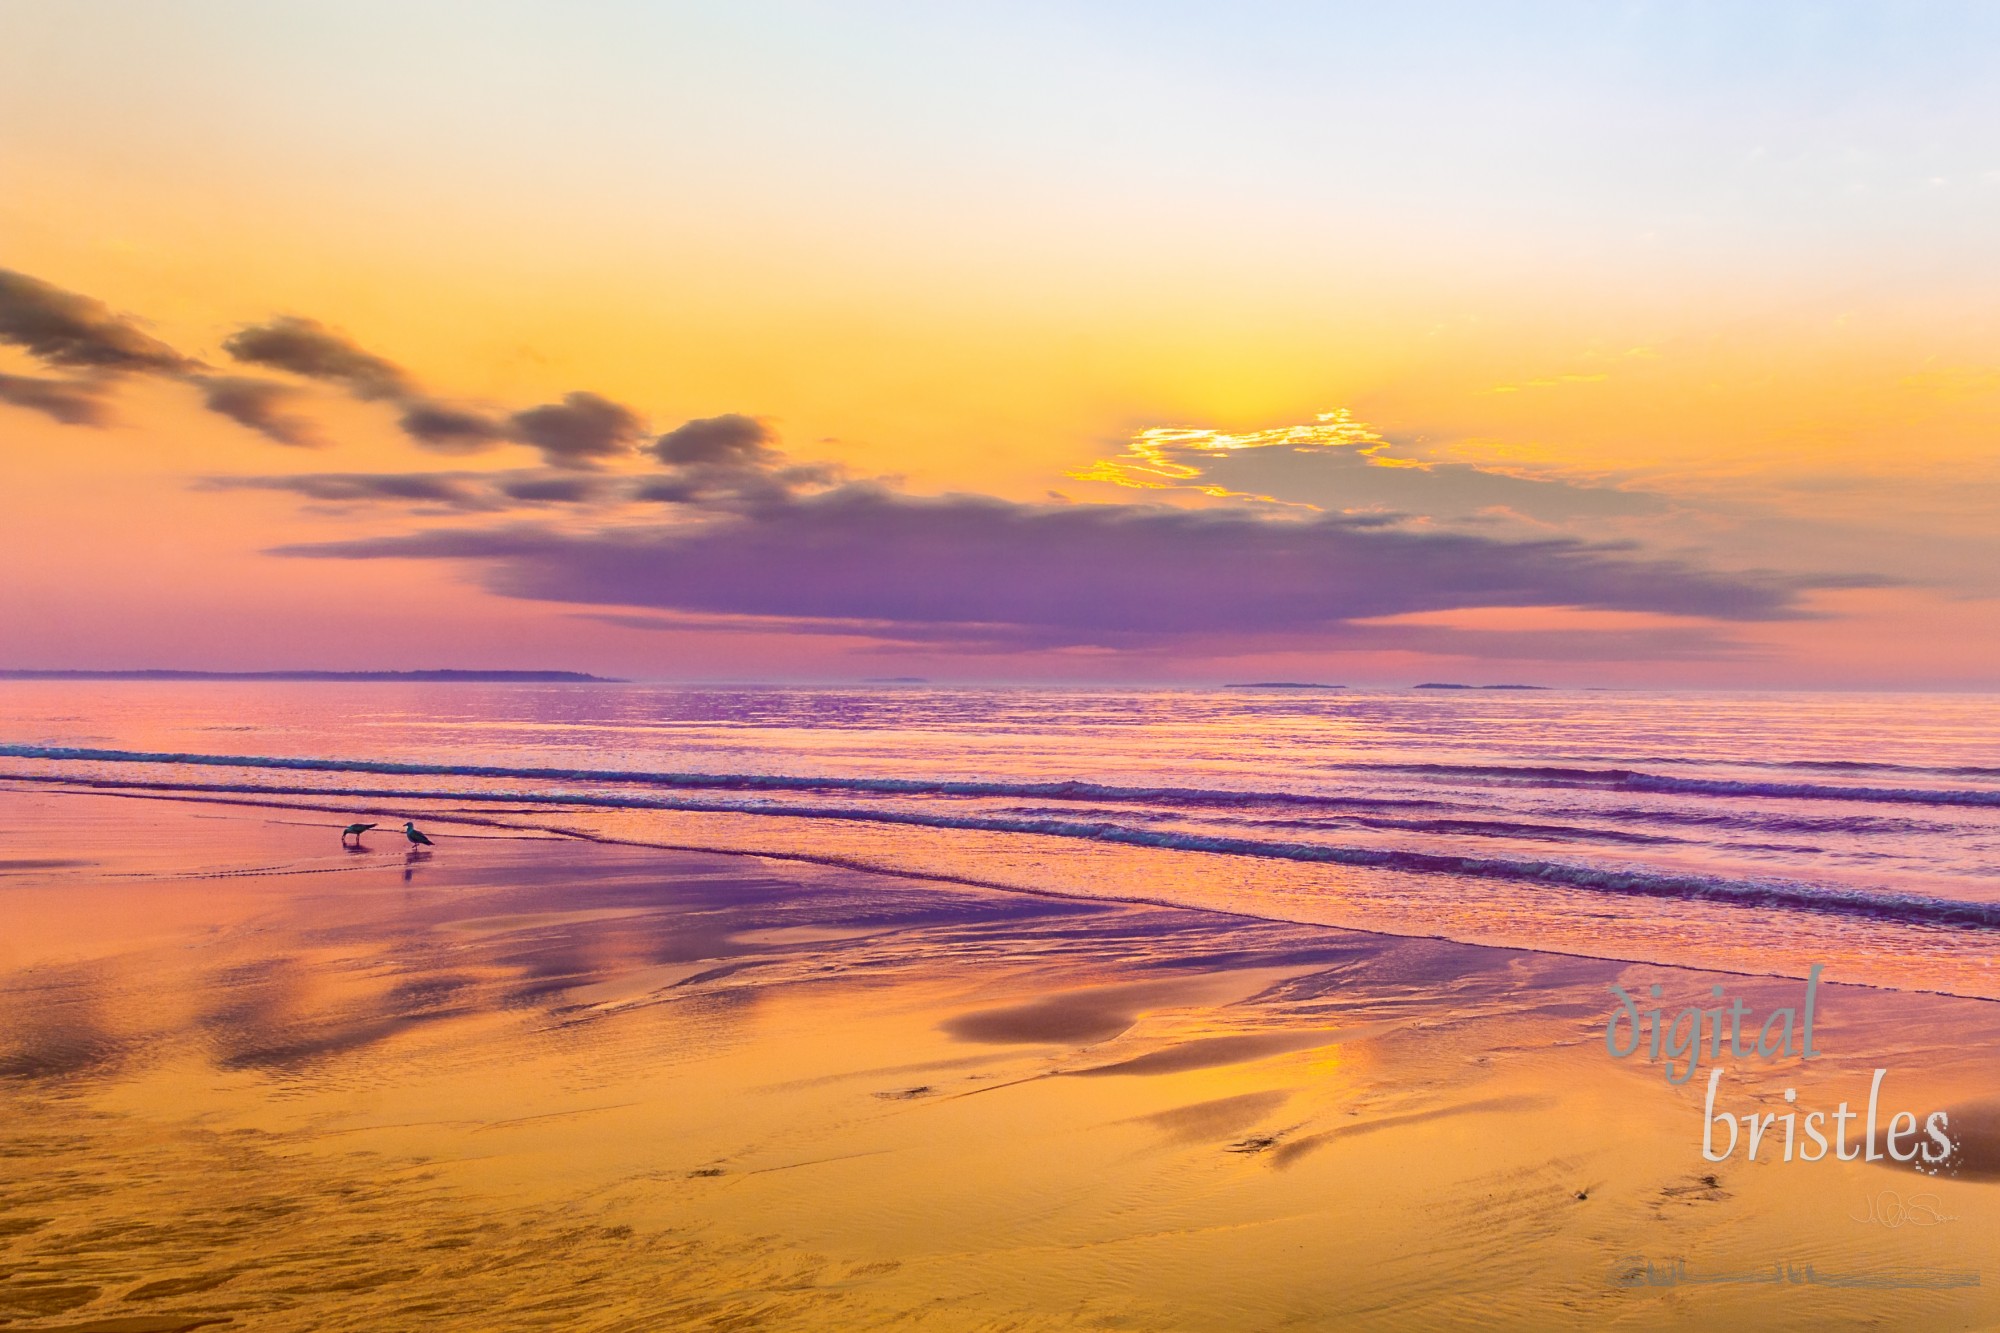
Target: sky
[(1594, 344)]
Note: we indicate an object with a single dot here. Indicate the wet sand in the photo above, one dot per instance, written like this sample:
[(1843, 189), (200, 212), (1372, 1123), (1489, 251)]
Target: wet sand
[(251, 1080)]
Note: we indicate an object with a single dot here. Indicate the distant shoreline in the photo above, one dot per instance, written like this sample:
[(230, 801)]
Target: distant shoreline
[(407, 677)]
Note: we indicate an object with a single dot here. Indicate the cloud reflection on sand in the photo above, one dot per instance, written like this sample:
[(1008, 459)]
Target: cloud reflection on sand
[(616, 1087)]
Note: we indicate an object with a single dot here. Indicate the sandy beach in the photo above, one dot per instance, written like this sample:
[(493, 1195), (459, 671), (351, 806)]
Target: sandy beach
[(253, 1080)]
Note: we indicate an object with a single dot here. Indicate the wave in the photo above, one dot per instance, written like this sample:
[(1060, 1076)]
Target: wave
[(1844, 766), (1065, 791), (1630, 780), (1808, 791), (1763, 821), (1605, 779), (1471, 828), (1905, 908)]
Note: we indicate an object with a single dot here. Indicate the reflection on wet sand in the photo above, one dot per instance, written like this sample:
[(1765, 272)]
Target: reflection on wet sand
[(541, 1084)]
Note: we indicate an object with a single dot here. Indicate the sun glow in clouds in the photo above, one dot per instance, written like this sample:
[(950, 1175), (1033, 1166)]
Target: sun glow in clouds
[(1146, 463)]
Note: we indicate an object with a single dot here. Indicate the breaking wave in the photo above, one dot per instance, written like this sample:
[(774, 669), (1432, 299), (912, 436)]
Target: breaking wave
[(1604, 779)]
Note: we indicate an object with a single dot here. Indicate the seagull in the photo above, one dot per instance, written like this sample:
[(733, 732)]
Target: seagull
[(416, 838), (354, 831)]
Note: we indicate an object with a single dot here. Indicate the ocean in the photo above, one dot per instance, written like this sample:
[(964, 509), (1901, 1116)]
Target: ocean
[(1758, 833)]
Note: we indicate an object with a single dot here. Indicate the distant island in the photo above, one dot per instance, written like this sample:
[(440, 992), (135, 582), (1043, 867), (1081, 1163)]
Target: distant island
[(896, 680), (1279, 685), (1448, 685), (408, 677)]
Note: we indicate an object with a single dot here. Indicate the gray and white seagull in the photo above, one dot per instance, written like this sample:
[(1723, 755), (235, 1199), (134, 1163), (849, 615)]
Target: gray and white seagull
[(416, 837)]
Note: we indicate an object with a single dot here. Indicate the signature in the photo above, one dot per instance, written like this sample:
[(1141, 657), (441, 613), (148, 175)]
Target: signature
[(1639, 1271), (1892, 1210)]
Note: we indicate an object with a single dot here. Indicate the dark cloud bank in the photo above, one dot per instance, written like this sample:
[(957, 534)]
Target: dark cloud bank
[(743, 537), (980, 574)]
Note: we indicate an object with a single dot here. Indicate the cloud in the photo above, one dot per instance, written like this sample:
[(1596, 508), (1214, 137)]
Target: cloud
[(258, 404), (993, 574), (454, 490), (1337, 463), (310, 349), (730, 440), (449, 430), (72, 402), (1679, 642), (1676, 643), (727, 462), (469, 492), (720, 486), (70, 331), (1316, 550), (556, 490), (580, 431)]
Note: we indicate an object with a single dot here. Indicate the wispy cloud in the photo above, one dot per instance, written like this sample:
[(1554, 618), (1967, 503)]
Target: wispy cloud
[(94, 347), (262, 405), (463, 491), (72, 402), (584, 430), (74, 332), (98, 348), (543, 488), (84, 338), (311, 350)]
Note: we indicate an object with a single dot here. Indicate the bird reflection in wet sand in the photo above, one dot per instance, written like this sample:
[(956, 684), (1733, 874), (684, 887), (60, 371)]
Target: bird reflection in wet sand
[(418, 841)]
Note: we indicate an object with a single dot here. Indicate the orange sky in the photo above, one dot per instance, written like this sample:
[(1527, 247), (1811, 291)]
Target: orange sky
[(1722, 286)]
